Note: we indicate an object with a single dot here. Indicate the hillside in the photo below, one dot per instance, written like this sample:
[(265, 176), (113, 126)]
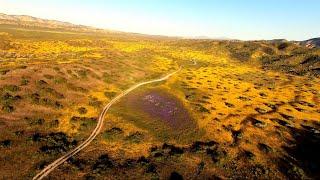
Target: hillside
[(311, 43), (233, 109), (29, 21), (277, 55)]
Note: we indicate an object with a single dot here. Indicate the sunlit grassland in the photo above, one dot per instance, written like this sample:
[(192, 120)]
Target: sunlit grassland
[(240, 95)]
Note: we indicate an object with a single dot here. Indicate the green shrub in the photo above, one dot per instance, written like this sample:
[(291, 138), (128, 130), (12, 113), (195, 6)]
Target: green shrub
[(113, 133), (136, 137), (93, 101), (53, 92), (82, 73), (12, 88), (35, 121), (282, 46), (82, 110), (75, 88), (6, 143), (24, 81), (4, 71), (60, 80), (8, 99), (8, 108), (203, 109), (110, 94)]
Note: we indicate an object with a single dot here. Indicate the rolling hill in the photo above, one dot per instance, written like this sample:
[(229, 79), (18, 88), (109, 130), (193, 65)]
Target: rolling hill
[(29, 21), (229, 109), (311, 43)]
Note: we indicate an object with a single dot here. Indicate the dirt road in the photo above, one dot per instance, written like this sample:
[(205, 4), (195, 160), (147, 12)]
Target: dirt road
[(96, 131)]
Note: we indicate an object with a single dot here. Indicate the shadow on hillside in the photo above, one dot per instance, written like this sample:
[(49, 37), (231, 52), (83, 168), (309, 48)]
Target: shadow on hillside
[(303, 153)]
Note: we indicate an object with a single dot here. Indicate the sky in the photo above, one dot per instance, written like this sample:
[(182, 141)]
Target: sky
[(236, 19)]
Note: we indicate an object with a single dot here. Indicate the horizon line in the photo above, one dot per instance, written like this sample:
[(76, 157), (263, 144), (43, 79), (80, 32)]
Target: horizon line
[(196, 37)]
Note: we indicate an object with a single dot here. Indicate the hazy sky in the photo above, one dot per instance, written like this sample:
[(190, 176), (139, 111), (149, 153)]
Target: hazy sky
[(241, 19)]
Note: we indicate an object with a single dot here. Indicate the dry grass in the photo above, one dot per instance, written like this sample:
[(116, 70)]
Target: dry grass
[(246, 117)]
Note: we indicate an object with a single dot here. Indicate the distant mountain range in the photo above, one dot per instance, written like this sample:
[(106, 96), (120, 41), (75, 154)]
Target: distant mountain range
[(25, 20), (30, 21)]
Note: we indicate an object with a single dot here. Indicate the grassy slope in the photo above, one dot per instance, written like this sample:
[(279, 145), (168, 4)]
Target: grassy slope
[(56, 81)]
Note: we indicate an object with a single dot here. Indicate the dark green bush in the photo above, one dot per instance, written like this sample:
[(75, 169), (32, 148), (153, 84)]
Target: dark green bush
[(12, 88), (8, 108), (24, 82), (110, 94), (282, 46), (6, 143), (82, 110)]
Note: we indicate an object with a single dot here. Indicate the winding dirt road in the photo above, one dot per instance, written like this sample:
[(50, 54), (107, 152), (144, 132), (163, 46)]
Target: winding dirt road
[(97, 130)]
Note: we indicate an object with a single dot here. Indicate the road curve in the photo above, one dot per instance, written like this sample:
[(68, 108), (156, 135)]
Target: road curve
[(96, 131)]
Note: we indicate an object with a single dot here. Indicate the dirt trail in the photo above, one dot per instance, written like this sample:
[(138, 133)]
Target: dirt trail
[(97, 130)]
